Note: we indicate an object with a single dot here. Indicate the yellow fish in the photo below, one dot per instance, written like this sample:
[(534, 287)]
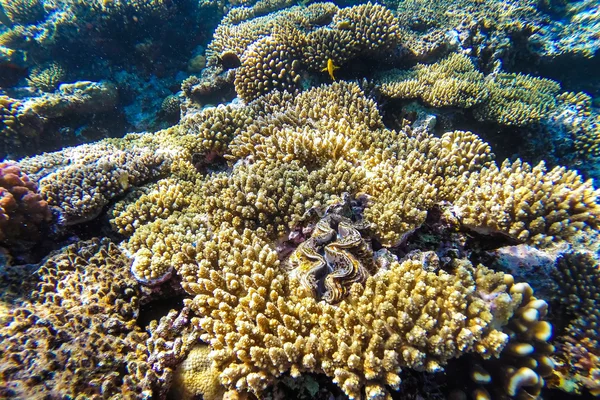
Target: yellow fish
[(330, 68)]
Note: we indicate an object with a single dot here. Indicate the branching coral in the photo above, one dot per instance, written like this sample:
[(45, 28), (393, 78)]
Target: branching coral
[(517, 99), (405, 316), (23, 11), (46, 78), (527, 203), (291, 160), (578, 279), (274, 49), (454, 81), (507, 99)]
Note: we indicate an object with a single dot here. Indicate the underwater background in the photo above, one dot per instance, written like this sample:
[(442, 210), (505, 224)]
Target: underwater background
[(275, 199)]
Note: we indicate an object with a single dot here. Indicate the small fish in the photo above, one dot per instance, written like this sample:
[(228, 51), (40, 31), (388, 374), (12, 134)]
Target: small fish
[(330, 68)]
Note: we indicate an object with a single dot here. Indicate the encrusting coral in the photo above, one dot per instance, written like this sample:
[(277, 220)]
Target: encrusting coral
[(80, 315)]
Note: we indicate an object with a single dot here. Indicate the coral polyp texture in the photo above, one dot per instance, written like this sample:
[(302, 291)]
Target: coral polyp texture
[(351, 197), (81, 314), (22, 208), (81, 310)]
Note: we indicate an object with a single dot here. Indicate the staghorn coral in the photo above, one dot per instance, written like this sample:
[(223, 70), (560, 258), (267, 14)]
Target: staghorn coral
[(23, 11), (46, 78), (578, 279), (22, 209)]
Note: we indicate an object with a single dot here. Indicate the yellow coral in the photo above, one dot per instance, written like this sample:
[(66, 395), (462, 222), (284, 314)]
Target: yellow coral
[(454, 81), (196, 377), (517, 99)]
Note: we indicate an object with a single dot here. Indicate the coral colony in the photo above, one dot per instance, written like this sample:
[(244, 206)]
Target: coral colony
[(315, 200)]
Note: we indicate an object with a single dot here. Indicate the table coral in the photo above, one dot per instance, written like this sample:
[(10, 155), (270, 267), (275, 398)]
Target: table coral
[(507, 99), (518, 100), (454, 81), (80, 181)]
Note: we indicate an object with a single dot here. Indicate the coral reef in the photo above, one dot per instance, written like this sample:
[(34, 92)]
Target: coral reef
[(320, 221), (81, 315), (80, 181), (507, 99), (196, 376), (274, 50), (23, 12), (293, 158)]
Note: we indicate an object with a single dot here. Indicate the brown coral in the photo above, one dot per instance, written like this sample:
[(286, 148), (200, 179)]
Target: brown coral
[(518, 100), (22, 208), (452, 82), (81, 315)]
